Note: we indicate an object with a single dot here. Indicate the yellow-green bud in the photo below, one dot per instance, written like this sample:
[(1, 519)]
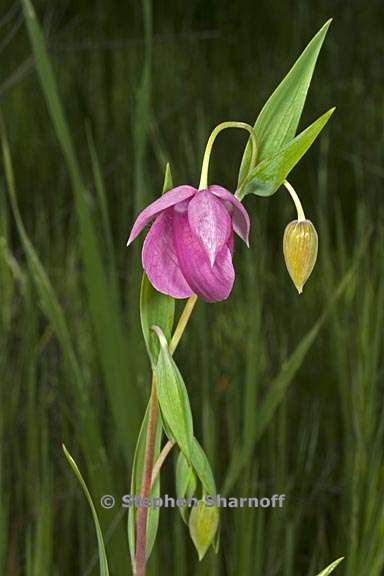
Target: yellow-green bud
[(300, 251), (203, 524)]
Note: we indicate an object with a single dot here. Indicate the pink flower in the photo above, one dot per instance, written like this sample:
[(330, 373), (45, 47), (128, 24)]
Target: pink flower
[(188, 249)]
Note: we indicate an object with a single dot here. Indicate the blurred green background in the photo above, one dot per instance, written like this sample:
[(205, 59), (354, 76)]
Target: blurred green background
[(285, 399)]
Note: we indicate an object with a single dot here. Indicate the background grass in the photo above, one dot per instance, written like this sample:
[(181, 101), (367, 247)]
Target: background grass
[(142, 85)]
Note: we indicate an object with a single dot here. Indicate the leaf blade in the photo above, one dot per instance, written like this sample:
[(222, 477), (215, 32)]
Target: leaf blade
[(104, 309), (173, 398), (331, 567), (268, 175), (155, 309), (279, 118), (104, 570)]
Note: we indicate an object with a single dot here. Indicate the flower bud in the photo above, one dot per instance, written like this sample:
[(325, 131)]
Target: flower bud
[(203, 524), (300, 251)]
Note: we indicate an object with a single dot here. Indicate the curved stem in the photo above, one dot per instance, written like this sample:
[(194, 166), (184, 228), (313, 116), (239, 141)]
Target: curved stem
[(151, 470), (161, 459), (208, 149), (296, 200)]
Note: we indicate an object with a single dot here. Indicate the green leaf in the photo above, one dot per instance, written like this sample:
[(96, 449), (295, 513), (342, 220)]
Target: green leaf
[(155, 309), (203, 524), (279, 118), (136, 479), (330, 568), (186, 483), (89, 432), (268, 175), (103, 204), (104, 306), (104, 571), (202, 468), (168, 181), (203, 520), (186, 475), (173, 397)]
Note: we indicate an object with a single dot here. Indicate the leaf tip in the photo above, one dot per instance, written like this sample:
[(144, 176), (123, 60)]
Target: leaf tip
[(160, 334)]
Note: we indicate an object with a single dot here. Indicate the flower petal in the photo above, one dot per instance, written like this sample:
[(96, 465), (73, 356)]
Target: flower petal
[(167, 200), (240, 219), (210, 222), (211, 283), (160, 261)]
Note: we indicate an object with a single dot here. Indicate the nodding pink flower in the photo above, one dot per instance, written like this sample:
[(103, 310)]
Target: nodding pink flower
[(188, 249)]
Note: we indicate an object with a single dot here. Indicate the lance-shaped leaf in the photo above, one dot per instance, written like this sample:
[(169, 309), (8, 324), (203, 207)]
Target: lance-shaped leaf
[(203, 525), (279, 118), (199, 466), (136, 480), (330, 568), (268, 175), (186, 483), (186, 473), (104, 571), (173, 398), (155, 308), (202, 468)]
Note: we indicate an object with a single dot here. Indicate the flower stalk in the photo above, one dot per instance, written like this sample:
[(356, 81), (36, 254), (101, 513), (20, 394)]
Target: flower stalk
[(211, 140), (296, 200)]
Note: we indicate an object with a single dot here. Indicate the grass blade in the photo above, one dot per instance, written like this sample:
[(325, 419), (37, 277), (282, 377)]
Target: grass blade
[(104, 571), (110, 337), (281, 382), (330, 568)]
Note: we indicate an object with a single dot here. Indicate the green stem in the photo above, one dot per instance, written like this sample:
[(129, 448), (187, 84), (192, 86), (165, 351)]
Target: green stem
[(150, 470), (182, 323), (296, 200), (208, 149), (161, 459), (142, 512)]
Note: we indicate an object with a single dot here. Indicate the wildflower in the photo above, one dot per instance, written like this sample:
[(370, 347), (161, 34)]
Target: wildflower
[(188, 249)]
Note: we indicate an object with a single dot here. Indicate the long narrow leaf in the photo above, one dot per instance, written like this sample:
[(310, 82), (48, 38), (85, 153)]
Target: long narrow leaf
[(89, 432), (330, 568), (279, 118), (107, 319), (173, 398), (104, 571)]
